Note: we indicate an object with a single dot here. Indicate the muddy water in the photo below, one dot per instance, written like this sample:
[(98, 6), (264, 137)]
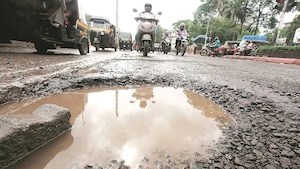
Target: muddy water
[(147, 126)]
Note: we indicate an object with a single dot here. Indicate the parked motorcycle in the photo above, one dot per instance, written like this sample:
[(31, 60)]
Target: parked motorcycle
[(166, 45), (183, 45), (146, 27)]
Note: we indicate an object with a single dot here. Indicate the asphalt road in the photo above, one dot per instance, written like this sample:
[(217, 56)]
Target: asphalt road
[(262, 97)]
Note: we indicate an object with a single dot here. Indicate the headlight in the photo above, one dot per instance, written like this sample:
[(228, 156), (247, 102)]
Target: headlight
[(102, 33), (95, 39)]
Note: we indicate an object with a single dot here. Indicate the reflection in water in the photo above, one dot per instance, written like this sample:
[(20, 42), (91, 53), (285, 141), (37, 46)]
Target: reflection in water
[(143, 94), (208, 108), (109, 127)]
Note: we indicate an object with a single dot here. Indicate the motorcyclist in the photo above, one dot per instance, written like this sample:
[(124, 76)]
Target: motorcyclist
[(138, 35), (166, 35), (181, 32), (216, 44)]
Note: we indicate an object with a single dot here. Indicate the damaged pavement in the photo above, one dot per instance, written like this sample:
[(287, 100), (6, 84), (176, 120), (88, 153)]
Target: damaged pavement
[(262, 98)]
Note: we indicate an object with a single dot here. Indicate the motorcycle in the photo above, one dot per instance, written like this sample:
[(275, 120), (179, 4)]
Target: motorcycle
[(183, 45), (209, 50), (146, 27), (166, 45)]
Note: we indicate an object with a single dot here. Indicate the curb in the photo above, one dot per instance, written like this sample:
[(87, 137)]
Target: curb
[(266, 59), (24, 133)]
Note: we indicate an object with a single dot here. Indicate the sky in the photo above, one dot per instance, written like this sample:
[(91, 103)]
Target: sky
[(172, 11)]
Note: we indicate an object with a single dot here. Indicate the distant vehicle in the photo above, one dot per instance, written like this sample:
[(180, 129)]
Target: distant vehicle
[(210, 50), (181, 48), (245, 51), (125, 41), (229, 47), (102, 33)]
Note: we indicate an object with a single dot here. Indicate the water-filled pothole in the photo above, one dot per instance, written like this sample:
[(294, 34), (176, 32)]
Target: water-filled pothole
[(147, 126)]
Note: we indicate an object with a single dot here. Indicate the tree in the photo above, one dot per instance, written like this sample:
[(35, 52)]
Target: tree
[(159, 34), (262, 12), (235, 10)]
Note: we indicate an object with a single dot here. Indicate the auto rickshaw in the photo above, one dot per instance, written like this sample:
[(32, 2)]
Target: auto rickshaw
[(229, 47), (62, 23), (125, 41), (47, 24), (102, 33)]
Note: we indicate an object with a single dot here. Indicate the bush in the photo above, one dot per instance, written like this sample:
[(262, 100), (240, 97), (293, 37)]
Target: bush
[(278, 48)]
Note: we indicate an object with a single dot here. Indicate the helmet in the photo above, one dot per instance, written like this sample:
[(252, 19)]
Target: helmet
[(216, 38), (148, 4), (182, 24)]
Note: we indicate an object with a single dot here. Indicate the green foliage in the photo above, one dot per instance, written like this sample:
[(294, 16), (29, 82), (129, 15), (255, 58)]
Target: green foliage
[(159, 34), (270, 37), (284, 32), (88, 18), (278, 48)]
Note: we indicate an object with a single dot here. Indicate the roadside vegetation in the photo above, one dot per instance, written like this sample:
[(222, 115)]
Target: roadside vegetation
[(278, 48), (231, 19)]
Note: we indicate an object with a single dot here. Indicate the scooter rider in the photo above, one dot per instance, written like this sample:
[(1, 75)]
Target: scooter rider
[(166, 34), (138, 35), (166, 40), (181, 32), (216, 44)]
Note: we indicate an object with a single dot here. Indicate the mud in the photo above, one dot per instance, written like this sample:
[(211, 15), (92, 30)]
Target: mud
[(263, 98)]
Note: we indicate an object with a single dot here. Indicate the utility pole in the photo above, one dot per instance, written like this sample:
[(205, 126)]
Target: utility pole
[(286, 2), (206, 33), (117, 19)]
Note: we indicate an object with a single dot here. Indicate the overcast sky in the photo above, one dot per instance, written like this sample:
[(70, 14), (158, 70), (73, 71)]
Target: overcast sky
[(172, 11)]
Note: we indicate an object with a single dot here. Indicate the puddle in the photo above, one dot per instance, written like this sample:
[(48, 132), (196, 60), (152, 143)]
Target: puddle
[(162, 125)]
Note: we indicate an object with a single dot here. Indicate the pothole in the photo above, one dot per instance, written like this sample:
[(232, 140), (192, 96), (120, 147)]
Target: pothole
[(145, 126)]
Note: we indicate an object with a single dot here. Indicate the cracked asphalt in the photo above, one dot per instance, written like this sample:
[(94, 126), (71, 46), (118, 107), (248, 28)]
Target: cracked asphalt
[(263, 98)]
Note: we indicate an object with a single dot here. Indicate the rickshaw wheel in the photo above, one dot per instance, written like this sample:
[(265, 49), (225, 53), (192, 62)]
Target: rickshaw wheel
[(204, 52), (40, 47), (84, 48)]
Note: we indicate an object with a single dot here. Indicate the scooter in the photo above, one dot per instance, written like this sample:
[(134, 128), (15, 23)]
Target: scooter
[(166, 45), (146, 27), (183, 45), (208, 50)]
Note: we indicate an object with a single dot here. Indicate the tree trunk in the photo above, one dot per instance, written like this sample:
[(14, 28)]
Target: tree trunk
[(258, 17), (245, 14)]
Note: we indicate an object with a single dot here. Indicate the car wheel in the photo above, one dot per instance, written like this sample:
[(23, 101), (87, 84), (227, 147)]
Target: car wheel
[(84, 48), (41, 47)]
